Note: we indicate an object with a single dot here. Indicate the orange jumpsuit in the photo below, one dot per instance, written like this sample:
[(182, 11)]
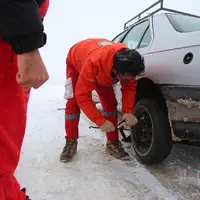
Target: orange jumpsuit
[(13, 106), (89, 65)]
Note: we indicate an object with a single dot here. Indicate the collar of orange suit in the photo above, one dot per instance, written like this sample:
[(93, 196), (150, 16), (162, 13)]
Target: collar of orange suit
[(115, 75)]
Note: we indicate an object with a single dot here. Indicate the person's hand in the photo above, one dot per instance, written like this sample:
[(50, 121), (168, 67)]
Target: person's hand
[(130, 119), (107, 126), (31, 70)]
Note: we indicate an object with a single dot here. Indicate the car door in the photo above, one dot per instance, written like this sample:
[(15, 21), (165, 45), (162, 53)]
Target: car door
[(138, 37)]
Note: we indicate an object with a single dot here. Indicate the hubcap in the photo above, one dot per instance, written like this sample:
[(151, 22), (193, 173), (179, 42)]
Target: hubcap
[(142, 133)]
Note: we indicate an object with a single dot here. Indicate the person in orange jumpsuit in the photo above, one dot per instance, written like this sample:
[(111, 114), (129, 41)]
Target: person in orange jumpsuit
[(97, 64), (21, 68)]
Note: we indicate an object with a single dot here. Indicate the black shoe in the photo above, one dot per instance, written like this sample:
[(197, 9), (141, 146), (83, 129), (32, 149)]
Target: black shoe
[(24, 190)]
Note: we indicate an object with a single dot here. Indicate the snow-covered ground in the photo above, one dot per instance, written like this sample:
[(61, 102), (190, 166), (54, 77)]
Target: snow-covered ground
[(94, 175)]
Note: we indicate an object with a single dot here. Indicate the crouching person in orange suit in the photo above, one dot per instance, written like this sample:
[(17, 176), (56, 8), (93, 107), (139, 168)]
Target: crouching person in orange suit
[(97, 64), (21, 68)]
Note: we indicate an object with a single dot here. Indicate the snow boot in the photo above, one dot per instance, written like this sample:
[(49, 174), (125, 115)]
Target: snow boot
[(116, 149), (69, 150)]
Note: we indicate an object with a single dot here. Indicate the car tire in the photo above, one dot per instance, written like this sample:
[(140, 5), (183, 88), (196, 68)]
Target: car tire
[(158, 135)]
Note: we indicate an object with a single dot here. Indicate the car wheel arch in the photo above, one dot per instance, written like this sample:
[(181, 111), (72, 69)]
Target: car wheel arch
[(146, 88)]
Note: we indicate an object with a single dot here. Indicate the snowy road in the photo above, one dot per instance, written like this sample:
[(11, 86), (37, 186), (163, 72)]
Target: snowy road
[(93, 175)]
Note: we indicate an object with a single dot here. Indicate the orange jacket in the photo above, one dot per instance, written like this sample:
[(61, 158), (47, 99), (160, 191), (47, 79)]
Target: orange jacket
[(93, 60)]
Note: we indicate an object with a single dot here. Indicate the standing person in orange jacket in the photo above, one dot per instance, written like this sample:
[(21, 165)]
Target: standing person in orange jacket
[(97, 64), (21, 68)]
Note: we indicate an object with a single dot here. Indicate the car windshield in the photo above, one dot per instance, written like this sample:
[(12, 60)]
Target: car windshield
[(183, 23)]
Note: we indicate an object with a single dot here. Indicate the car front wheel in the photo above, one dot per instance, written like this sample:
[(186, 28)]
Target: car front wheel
[(151, 137)]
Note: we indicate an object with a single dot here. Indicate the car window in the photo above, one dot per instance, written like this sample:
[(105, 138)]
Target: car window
[(134, 36), (183, 23), (146, 39), (118, 38)]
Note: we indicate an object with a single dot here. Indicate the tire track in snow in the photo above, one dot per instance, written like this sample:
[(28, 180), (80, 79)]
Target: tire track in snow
[(179, 171)]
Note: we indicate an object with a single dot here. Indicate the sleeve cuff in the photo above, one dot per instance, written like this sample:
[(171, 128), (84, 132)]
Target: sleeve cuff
[(28, 44), (127, 111), (100, 121)]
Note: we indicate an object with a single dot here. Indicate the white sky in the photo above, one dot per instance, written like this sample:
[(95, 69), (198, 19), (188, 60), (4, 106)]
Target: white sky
[(68, 22)]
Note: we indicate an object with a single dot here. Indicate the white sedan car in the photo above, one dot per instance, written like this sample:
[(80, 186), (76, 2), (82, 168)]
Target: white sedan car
[(168, 94)]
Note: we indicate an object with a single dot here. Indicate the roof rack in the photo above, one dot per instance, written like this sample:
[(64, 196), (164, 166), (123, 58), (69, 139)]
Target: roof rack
[(157, 10)]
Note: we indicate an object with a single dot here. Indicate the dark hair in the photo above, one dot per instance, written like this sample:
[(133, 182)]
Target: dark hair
[(129, 61)]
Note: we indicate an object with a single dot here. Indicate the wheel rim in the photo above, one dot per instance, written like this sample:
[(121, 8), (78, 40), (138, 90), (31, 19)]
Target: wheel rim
[(142, 133)]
